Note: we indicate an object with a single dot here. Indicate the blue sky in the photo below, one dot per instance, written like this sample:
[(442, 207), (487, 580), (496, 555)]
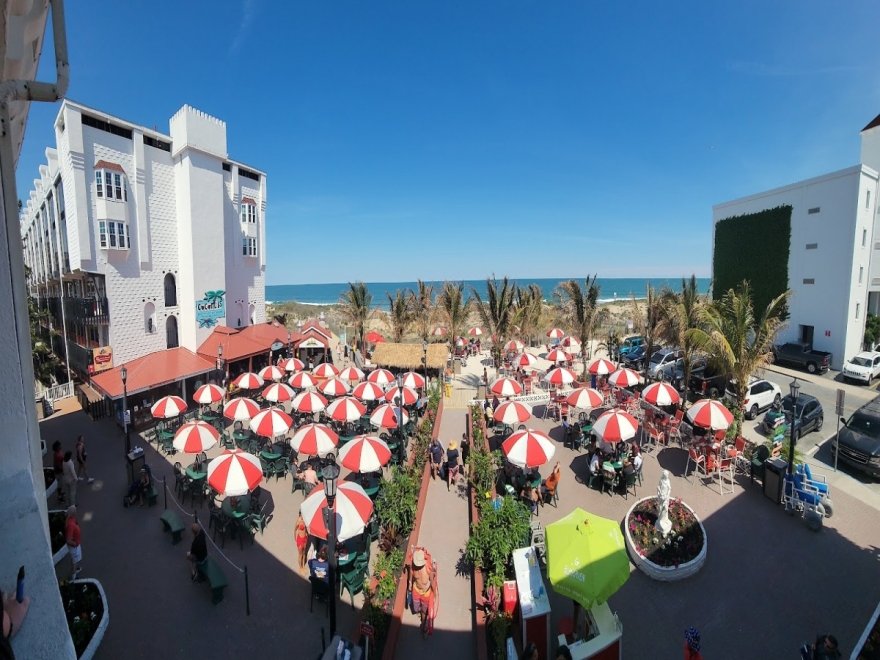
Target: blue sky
[(453, 139)]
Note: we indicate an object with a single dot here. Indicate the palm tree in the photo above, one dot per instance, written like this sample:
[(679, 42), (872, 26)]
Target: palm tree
[(680, 313), (578, 307), (496, 312), (647, 320), (401, 314), (740, 342), (355, 308), (454, 308), (422, 308), (528, 309)]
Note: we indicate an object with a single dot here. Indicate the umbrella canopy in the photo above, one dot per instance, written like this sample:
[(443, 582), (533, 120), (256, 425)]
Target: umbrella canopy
[(661, 394), (373, 337), (368, 391), (585, 397), (309, 402), (334, 387), (195, 437), (314, 440), (234, 473), (571, 343), (615, 426), (208, 394), (346, 409), (475, 331), (292, 364), (560, 376), (556, 333), (414, 380), (325, 370), (248, 381), (385, 416), (271, 422), (380, 377), (529, 448), (408, 396), (586, 557), (271, 373), (624, 378), (278, 392), (240, 409), (168, 406), (352, 509), (440, 331), (601, 367), (506, 387), (302, 380), (710, 414), (365, 453), (512, 412), (525, 360), (557, 356), (514, 346), (351, 374), (460, 342)]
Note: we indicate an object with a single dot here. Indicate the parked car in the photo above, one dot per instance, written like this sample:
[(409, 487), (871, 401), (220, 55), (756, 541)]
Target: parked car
[(863, 368), (707, 381), (810, 416), (635, 359), (760, 395), (802, 354), (858, 443), (662, 358), (629, 344)]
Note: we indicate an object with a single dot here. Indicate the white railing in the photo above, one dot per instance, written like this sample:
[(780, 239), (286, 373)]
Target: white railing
[(58, 392)]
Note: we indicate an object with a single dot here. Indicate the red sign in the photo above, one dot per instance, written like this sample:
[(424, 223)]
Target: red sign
[(367, 630)]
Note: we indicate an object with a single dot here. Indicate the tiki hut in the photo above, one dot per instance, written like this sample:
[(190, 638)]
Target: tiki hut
[(409, 356)]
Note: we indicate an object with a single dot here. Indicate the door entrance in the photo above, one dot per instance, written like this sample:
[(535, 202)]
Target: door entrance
[(806, 334)]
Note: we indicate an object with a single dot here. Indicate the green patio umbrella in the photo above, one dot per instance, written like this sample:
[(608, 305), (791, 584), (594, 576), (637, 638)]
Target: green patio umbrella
[(586, 557)]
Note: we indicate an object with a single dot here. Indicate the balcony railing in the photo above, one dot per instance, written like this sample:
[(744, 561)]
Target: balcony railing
[(90, 311)]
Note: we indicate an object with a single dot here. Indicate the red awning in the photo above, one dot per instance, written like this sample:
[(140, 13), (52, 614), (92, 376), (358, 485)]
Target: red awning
[(153, 370)]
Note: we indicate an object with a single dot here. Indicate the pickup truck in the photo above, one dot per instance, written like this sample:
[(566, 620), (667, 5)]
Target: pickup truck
[(707, 382), (802, 355)]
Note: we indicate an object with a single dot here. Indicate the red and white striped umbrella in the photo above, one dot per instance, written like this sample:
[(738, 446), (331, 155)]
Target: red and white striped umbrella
[(271, 422), (408, 396), (346, 409), (314, 440), (240, 409), (271, 373), (195, 437), (661, 394), (334, 387), (352, 509), (572, 344), (529, 448), (440, 331), (368, 391), (325, 370), (557, 356), (601, 367), (460, 342), (365, 453), (615, 426), (475, 331), (624, 378), (505, 387), (414, 380), (208, 394), (381, 377), (710, 414), (585, 397), (248, 381), (556, 333), (234, 473), (352, 374), (385, 416), (525, 360), (514, 346), (278, 393), (309, 402), (167, 407), (302, 379), (560, 376), (292, 364), (512, 412)]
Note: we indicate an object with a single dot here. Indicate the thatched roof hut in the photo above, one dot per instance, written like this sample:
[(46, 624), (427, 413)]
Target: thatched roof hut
[(409, 356)]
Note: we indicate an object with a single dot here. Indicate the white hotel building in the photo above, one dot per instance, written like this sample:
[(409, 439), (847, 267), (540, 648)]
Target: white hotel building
[(138, 241), (834, 252)]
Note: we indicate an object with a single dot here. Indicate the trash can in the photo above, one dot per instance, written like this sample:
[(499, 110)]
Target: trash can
[(481, 391), (448, 389), (48, 408), (774, 477)]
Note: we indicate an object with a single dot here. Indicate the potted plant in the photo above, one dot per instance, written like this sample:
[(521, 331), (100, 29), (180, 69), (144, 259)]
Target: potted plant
[(88, 614), (679, 554), (57, 537)]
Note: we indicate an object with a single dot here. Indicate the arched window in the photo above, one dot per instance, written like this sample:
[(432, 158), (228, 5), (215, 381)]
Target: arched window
[(150, 318), (171, 332), (253, 314), (170, 291)]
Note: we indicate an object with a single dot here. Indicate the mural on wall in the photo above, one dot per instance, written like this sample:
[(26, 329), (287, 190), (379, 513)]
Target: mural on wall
[(210, 309)]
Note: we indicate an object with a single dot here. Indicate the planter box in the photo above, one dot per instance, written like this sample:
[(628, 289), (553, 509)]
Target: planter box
[(92, 647), (663, 573), (53, 487)]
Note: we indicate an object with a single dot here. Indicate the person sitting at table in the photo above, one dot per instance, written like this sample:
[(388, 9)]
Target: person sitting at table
[(495, 403), (566, 428), (451, 463), (309, 474), (636, 457), (548, 488), (318, 566), (435, 451), (139, 488), (595, 465), (198, 551)]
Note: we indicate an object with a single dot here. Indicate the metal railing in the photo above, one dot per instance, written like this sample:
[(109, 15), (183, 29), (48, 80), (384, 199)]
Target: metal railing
[(58, 392)]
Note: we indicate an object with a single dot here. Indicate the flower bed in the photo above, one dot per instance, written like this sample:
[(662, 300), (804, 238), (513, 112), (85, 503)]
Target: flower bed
[(678, 555), (88, 615), (57, 521)]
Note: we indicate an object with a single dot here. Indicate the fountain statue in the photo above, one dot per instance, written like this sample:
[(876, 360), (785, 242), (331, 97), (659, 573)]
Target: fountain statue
[(663, 525)]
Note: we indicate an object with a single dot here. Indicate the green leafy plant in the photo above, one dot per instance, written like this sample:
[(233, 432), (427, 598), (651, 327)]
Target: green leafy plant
[(397, 501), (872, 330), (497, 534), (498, 626)]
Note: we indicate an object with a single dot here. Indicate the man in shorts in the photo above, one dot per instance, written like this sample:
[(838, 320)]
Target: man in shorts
[(422, 584)]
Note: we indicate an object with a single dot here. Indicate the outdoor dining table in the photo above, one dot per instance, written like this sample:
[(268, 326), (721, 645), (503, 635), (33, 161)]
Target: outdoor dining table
[(242, 508), (612, 466), (270, 455), (345, 438), (345, 558), (196, 474), (209, 417), (162, 434)]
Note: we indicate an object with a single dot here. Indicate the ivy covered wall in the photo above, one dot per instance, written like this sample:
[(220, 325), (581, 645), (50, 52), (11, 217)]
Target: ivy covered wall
[(753, 247)]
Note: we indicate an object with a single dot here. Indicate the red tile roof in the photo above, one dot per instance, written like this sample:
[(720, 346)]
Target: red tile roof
[(298, 337), (243, 342), (874, 123), (311, 324), (151, 371), (107, 165)]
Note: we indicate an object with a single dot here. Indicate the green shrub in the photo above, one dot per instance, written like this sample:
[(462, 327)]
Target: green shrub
[(497, 534)]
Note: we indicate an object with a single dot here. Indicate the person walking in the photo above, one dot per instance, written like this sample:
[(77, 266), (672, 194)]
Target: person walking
[(692, 644), (451, 463), (80, 450), (68, 478), (465, 452), (422, 585), (198, 550), (73, 538), (301, 536)]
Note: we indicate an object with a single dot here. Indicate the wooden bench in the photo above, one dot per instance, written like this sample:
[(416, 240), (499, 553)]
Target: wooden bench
[(152, 495), (216, 578), (171, 523)]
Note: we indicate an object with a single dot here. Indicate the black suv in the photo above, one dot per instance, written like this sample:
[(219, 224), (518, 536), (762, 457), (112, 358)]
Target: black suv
[(859, 440), (810, 415)]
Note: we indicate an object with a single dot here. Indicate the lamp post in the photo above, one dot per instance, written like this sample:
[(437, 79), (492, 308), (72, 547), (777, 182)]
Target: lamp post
[(289, 345), (794, 389), (330, 474), (221, 369), (425, 362), (124, 374)]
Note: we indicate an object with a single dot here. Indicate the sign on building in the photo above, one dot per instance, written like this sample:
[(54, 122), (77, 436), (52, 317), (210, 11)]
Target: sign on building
[(102, 359), (211, 309)]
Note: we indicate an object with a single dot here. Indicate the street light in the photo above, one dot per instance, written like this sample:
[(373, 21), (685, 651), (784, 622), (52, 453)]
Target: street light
[(124, 374), (330, 474), (221, 364), (289, 344), (794, 389)]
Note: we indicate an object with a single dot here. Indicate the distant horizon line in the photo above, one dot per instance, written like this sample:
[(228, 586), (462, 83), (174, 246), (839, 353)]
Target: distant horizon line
[(481, 279)]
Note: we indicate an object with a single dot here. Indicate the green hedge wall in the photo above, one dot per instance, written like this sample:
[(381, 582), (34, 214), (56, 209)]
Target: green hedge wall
[(753, 247)]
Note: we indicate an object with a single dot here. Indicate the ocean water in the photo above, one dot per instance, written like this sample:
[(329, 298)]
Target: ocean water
[(610, 288)]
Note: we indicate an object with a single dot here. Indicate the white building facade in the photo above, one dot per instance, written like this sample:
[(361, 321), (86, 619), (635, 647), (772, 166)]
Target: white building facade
[(834, 252), (138, 241)]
